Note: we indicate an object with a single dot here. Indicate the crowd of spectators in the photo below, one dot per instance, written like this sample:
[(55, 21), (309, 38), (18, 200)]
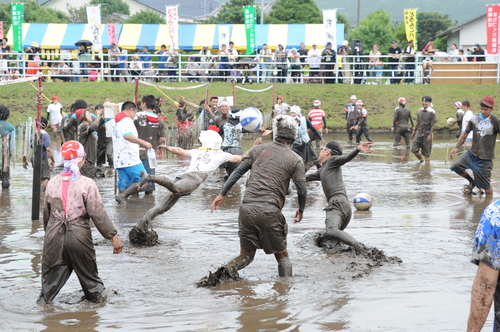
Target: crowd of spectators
[(346, 64)]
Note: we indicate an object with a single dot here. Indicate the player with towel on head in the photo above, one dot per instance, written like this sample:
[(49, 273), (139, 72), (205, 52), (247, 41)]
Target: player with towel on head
[(338, 210)]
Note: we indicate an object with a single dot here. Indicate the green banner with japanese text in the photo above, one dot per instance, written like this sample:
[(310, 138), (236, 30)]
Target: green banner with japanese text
[(249, 16), (17, 11)]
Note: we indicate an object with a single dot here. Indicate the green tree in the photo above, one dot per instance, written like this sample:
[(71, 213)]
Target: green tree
[(77, 14), (294, 11), (33, 13), (376, 28), (232, 12), (109, 7), (341, 18), (430, 24), (146, 17)]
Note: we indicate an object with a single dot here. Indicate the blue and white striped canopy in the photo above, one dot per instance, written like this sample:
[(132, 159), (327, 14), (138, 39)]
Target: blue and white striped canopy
[(191, 36)]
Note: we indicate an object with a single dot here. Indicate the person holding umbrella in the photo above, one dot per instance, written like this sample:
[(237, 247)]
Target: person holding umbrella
[(84, 56)]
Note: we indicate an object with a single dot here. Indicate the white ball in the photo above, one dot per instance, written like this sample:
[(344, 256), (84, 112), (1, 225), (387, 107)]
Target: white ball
[(451, 122), (362, 202), (251, 119)]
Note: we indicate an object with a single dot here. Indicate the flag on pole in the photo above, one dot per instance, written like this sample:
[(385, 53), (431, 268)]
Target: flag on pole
[(492, 15), (173, 26), (250, 17), (411, 25), (17, 11), (112, 33), (330, 26), (223, 35), (94, 21)]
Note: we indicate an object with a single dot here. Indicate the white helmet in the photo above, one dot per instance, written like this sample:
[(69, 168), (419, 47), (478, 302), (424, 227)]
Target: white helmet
[(210, 139)]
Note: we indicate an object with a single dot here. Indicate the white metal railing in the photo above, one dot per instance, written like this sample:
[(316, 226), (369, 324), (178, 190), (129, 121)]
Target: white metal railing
[(351, 69)]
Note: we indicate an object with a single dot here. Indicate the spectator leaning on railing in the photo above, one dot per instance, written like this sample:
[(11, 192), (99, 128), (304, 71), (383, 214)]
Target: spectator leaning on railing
[(409, 55), (266, 60), (477, 54)]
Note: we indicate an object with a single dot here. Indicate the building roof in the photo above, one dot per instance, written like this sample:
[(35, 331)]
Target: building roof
[(459, 27)]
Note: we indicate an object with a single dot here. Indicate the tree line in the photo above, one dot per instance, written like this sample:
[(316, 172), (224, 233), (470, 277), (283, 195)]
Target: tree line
[(376, 28)]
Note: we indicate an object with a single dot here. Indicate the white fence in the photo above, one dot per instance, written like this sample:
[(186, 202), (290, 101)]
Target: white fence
[(247, 69)]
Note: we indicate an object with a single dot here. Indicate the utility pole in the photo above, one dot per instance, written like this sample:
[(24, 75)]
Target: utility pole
[(262, 12), (359, 10)]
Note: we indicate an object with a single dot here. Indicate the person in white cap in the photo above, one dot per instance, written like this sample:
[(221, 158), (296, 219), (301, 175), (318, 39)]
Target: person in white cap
[(400, 125), (350, 117), (361, 124), (345, 51), (204, 161), (205, 61), (318, 120), (314, 59)]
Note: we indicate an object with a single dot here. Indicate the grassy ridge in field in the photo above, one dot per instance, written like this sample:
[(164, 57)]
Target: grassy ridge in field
[(380, 100)]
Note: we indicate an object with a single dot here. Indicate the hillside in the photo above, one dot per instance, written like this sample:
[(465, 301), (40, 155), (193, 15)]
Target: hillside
[(458, 10)]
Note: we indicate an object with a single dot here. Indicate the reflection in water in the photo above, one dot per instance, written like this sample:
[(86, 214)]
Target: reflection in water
[(84, 321), (401, 155)]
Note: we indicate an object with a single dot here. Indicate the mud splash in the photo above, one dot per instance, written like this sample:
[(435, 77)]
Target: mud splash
[(351, 261), (142, 236), (221, 275)]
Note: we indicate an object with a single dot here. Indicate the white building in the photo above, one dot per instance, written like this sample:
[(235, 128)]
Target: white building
[(467, 34)]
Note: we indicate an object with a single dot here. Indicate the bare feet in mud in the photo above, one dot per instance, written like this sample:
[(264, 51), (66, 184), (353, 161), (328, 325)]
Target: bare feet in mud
[(142, 236), (220, 276)]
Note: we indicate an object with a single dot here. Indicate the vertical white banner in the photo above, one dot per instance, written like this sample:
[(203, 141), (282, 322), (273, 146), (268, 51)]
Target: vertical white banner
[(94, 21), (330, 26), (173, 25), (223, 35)]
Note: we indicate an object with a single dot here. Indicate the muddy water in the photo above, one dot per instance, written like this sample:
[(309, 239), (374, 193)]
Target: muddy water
[(419, 215)]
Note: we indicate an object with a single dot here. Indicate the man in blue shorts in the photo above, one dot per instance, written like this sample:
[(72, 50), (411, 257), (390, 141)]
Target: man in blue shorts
[(479, 158), (126, 152)]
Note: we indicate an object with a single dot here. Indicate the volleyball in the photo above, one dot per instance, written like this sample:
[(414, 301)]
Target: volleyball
[(251, 119), (362, 202), (451, 122)]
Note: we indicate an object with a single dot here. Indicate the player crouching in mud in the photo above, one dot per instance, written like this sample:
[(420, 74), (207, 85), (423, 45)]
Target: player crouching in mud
[(338, 210), (204, 161), (261, 224)]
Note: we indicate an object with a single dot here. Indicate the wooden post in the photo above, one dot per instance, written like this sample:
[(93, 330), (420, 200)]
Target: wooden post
[(37, 162), (234, 93), (136, 98)]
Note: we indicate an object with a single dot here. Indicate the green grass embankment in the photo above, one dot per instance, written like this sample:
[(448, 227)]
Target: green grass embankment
[(380, 100)]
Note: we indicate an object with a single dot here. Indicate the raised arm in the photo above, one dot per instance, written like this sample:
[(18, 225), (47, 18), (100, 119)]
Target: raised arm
[(235, 176), (175, 150)]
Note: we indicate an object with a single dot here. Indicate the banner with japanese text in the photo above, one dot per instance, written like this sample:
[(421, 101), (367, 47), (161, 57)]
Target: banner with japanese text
[(17, 11), (330, 26), (250, 17), (411, 25), (173, 25), (112, 33), (1, 30), (94, 21), (223, 35), (492, 14)]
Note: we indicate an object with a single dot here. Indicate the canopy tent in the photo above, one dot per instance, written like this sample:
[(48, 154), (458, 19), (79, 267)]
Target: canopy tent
[(191, 36), (195, 36), (60, 36)]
